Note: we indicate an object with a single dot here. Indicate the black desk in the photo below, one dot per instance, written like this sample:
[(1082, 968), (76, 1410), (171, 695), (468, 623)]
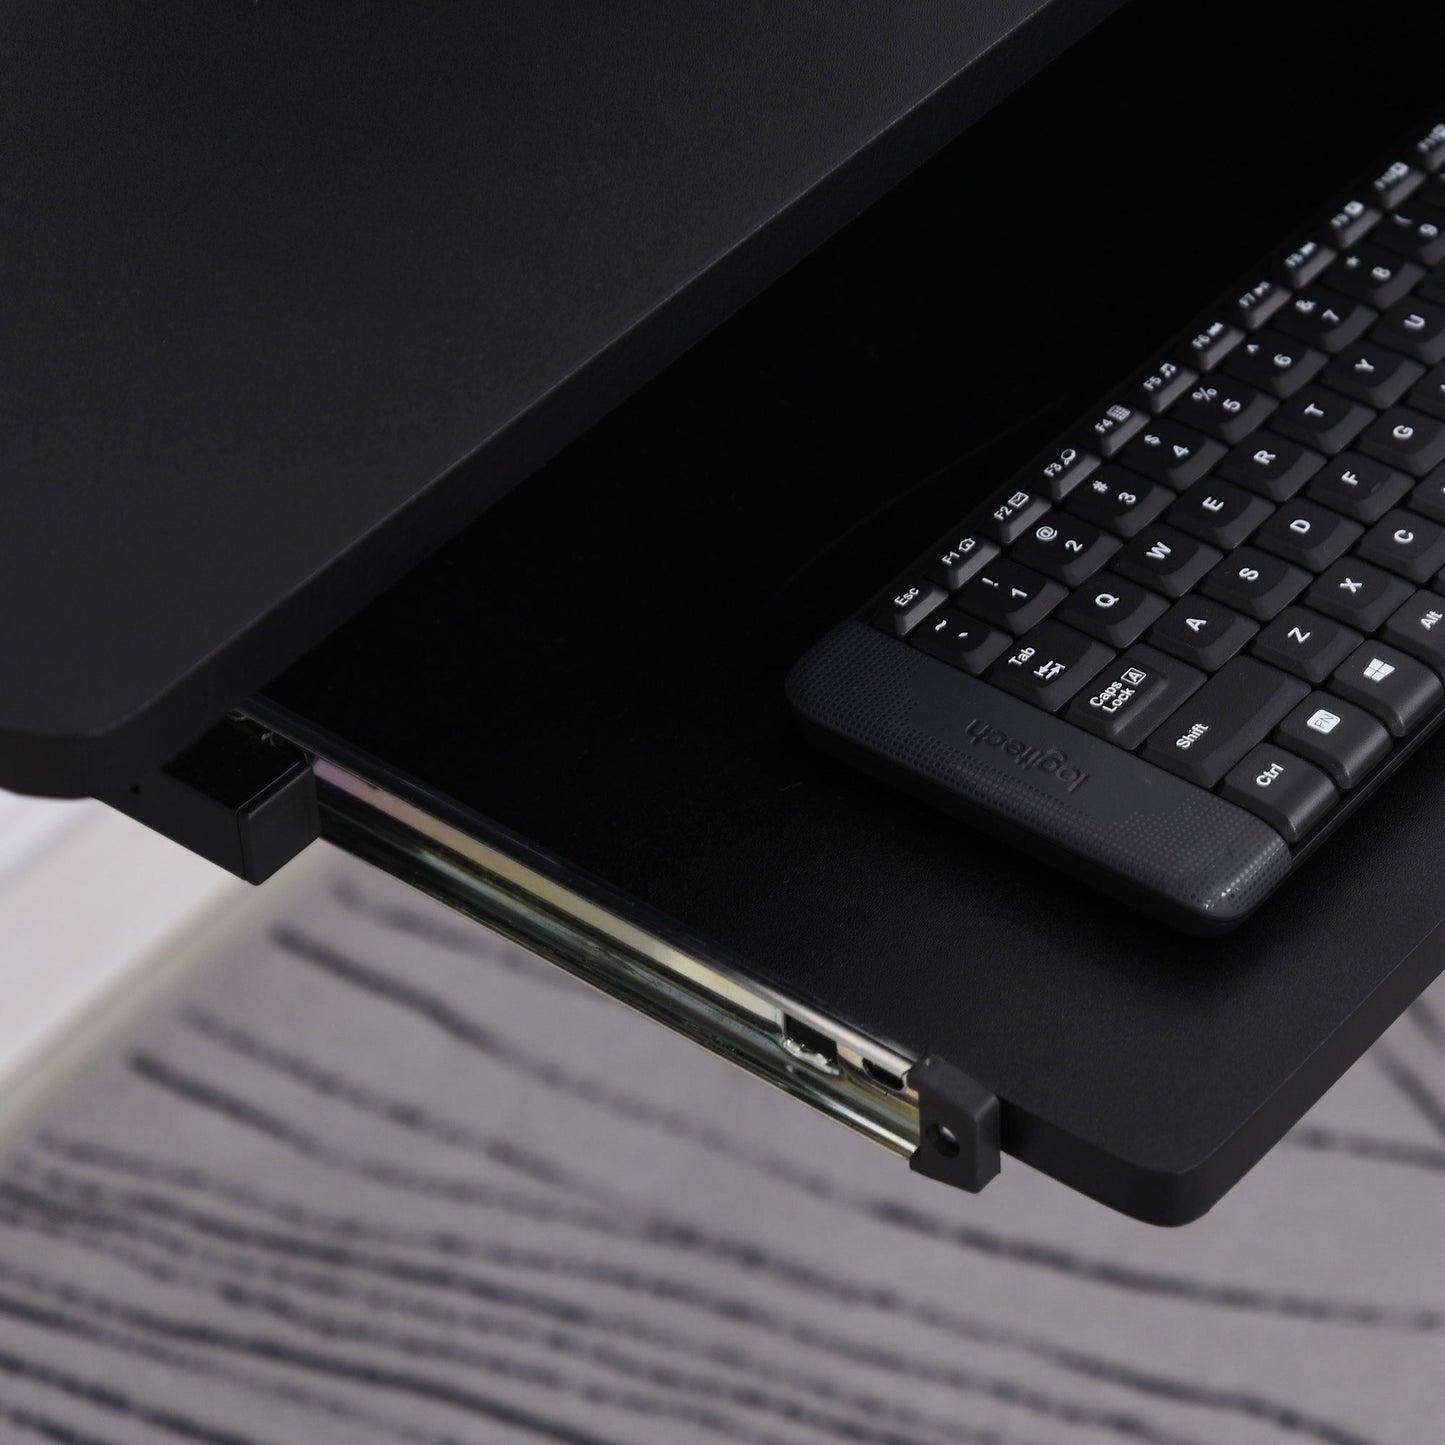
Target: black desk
[(590, 680)]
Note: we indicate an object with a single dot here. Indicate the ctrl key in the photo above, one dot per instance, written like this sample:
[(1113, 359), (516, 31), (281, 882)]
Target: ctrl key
[(1291, 795)]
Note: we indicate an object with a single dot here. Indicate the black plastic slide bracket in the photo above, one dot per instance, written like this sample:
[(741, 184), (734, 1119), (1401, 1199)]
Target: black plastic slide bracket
[(240, 796), (957, 1126)]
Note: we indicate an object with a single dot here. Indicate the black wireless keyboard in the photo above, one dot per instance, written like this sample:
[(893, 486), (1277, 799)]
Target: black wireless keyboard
[(1175, 652)]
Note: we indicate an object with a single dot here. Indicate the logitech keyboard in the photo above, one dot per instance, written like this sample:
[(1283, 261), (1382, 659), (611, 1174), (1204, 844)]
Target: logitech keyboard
[(1173, 653)]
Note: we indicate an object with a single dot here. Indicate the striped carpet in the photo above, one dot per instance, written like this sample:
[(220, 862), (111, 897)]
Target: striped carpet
[(372, 1176)]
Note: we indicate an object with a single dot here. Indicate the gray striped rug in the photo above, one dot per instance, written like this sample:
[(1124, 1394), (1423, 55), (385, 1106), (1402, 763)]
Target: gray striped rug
[(372, 1176)]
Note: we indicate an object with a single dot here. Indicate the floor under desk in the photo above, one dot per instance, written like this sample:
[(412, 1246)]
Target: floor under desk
[(325, 1162)]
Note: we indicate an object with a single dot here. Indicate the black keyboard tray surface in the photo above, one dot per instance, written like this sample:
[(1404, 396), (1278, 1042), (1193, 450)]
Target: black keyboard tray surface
[(595, 670)]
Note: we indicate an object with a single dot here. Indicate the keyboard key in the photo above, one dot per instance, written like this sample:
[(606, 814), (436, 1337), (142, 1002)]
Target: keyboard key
[(1358, 487), (1291, 795), (1202, 632), (1119, 501), (1404, 543), (1165, 559), (1419, 238), (1207, 348), (1401, 692), (1306, 533), (1048, 665), (1117, 424), (1219, 724), (1224, 409), (1358, 594), (1306, 644), (1065, 548), (1374, 275), (1415, 327), (1432, 288), (1419, 629), (1271, 466), (1255, 583), (960, 639), (1056, 475), (1429, 392), (1306, 263), (1009, 597), (1351, 223), (1275, 363), (957, 558), (908, 606), (1132, 695), (1344, 740), (1112, 609), (1171, 453), (1429, 496), (1322, 420), (1324, 319), (1396, 183), (1372, 374), (1429, 150), (1406, 439), (1010, 514), (1164, 385), (1218, 513), (1252, 308)]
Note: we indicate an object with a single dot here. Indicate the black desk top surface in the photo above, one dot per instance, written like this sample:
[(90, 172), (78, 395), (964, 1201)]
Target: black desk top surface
[(271, 270), (595, 670)]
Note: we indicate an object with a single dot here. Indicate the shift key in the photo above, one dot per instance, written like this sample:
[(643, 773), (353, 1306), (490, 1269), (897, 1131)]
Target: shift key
[(1237, 708)]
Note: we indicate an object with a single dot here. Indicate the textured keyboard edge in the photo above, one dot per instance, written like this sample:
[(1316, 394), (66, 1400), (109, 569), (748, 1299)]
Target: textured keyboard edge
[(1200, 863)]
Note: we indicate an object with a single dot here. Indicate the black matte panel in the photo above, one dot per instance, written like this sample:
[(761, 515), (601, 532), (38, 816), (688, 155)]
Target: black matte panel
[(270, 270), (597, 668)]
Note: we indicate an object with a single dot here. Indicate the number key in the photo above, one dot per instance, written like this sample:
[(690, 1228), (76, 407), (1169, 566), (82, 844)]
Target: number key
[(1009, 597), (1277, 364), (1418, 238), (1374, 276), (1325, 319), (1224, 409), (1119, 501), (1171, 453), (1065, 548)]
